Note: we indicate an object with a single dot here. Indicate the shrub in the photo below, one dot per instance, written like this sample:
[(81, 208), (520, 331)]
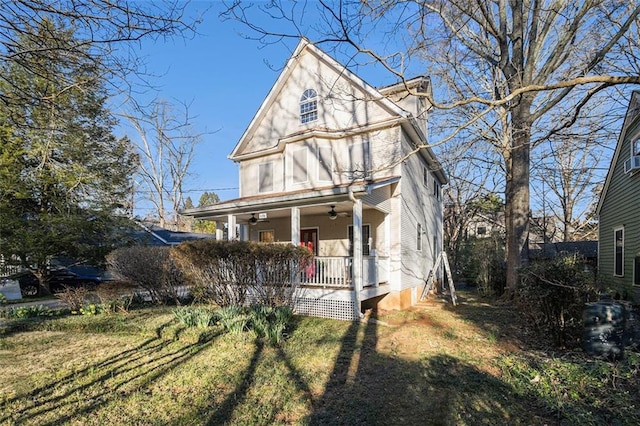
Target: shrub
[(3, 299), (232, 273), (74, 297), (482, 264), (150, 268), (552, 295), (116, 296)]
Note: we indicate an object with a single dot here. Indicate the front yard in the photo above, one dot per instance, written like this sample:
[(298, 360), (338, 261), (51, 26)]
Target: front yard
[(433, 364)]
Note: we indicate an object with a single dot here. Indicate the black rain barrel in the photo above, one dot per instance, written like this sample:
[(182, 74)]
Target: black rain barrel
[(604, 326)]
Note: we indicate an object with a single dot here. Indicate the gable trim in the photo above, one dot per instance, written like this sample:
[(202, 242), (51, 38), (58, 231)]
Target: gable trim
[(306, 45), (630, 116)]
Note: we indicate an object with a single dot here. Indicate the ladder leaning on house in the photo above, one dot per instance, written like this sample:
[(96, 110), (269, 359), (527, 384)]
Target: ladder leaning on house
[(442, 260)]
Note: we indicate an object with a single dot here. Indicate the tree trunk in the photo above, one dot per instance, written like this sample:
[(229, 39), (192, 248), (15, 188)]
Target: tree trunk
[(517, 197)]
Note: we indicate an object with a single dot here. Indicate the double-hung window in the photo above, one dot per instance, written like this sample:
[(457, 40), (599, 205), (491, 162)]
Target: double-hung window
[(366, 234), (308, 106), (618, 259)]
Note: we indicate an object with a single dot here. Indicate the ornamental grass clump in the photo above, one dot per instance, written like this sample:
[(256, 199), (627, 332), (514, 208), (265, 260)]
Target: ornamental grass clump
[(194, 317)]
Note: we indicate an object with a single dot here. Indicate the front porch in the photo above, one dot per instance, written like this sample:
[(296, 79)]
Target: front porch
[(347, 228), (327, 287)]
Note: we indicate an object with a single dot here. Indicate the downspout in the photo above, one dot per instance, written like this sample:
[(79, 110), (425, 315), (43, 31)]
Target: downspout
[(358, 284)]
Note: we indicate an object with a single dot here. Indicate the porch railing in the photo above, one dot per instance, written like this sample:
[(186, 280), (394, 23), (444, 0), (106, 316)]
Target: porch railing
[(336, 271)]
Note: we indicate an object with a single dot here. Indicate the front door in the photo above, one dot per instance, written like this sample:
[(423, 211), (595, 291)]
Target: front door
[(309, 238)]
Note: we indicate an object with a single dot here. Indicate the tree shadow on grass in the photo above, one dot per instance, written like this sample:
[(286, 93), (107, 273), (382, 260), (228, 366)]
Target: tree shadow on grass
[(129, 370), (367, 387)]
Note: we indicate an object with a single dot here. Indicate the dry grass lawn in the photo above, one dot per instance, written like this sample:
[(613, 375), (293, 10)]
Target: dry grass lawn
[(431, 365)]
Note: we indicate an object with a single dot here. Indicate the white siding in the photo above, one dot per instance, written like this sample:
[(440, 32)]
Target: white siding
[(419, 206)]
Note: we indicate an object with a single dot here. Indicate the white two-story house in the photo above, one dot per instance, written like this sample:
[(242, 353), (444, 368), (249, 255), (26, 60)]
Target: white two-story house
[(330, 162)]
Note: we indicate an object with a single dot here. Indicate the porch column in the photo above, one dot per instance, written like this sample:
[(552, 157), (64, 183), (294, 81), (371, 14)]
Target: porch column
[(357, 253), (219, 230), (231, 227), (244, 232), (295, 226)]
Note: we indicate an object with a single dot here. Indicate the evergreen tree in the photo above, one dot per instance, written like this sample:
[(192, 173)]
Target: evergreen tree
[(64, 174)]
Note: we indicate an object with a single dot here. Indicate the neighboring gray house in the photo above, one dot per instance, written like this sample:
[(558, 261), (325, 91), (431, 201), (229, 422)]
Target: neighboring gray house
[(619, 208), (333, 163)]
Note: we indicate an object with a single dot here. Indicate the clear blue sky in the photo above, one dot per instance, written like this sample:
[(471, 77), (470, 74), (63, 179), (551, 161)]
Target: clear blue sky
[(224, 78)]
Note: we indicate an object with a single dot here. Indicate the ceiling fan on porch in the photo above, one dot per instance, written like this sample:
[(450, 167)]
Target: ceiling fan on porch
[(333, 214), (253, 220)]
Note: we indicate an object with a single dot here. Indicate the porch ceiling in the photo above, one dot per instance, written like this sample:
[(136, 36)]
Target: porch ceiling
[(313, 202)]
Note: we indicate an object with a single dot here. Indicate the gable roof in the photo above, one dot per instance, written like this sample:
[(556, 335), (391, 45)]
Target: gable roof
[(632, 112), (306, 47)]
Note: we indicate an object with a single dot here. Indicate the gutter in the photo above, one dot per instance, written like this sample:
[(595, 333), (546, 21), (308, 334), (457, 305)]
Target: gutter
[(356, 289)]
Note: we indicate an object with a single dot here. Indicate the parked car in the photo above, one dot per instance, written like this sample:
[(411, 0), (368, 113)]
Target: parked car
[(58, 279)]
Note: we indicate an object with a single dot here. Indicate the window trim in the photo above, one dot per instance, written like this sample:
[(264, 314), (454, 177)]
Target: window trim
[(365, 150), (262, 231), (425, 177), (308, 106), (615, 252), (261, 167), (366, 249), (419, 237), (320, 163), (304, 169)]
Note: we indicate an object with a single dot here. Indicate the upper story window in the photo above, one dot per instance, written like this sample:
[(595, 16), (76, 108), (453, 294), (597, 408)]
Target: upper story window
[(308, 106), (635, 147), (425, 177), (436, 189)]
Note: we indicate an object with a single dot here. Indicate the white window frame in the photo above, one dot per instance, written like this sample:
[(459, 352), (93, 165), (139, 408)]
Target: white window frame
[(261, 168), (322, 165), (425, 177), (302, 168), (615, 252), (363, 148), (308, 106)]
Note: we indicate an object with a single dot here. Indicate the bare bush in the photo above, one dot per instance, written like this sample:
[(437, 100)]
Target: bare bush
[(150, 268), (116, 296), (74, 297), (236, 273)]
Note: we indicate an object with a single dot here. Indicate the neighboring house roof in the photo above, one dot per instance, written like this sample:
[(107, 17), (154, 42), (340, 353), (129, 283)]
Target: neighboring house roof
[(632, 113), (403, 117), (588, 249), (155, 236)]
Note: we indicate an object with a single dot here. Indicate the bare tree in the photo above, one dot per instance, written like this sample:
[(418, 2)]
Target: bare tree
[(166, 145), (516, 63)]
